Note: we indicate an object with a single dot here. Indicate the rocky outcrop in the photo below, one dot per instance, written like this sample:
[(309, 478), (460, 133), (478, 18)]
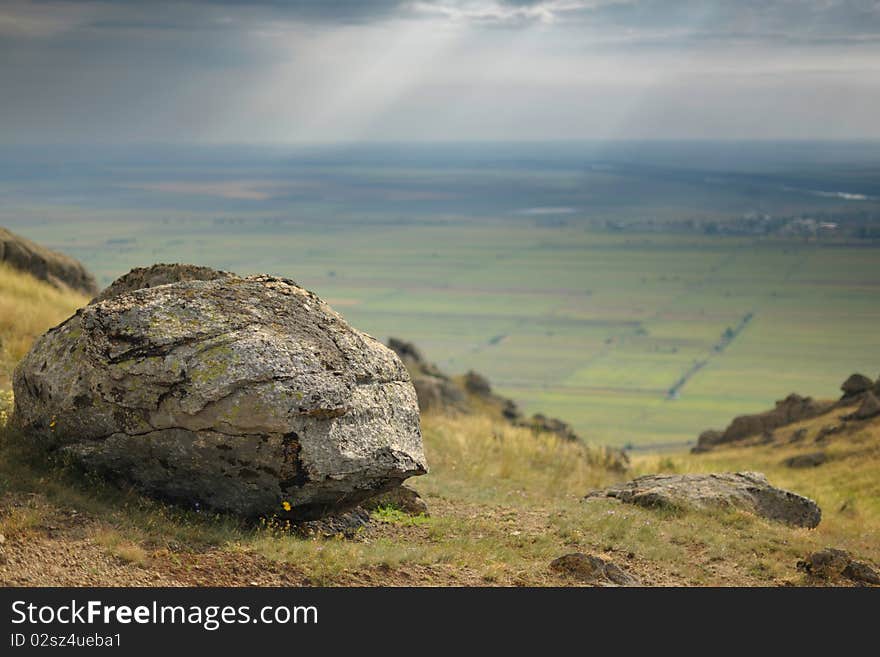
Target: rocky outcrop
[(244, 395), (161, 274), (868, 408), (592, 569), (832, 563), (55, 268), (855, 385), (747, 491), (436, 392), (477, 384), (793, 408)]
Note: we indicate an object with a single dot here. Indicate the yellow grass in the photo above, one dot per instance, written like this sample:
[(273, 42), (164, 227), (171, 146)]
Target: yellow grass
[(846, 487), (28, 307), (504, 502)]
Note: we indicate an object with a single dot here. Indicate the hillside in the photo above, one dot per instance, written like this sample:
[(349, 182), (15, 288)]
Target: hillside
[(504, 503), (59, 270), (27, 308)]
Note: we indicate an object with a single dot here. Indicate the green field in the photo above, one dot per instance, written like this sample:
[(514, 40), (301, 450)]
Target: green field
[(590, 326)]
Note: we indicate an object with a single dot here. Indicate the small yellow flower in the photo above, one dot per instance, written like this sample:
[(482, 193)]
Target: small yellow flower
[(285, 505), (52, 424)]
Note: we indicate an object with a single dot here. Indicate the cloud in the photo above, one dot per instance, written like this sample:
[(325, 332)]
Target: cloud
[(267, 70)]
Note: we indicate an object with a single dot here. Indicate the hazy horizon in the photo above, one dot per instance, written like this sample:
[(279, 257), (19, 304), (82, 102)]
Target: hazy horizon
[(231, 71)]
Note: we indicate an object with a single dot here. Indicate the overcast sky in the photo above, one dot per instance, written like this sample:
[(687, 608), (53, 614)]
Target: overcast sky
[(272, 71)]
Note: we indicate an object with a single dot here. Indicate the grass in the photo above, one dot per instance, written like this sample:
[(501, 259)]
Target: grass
[(27, 308), (504, 503)]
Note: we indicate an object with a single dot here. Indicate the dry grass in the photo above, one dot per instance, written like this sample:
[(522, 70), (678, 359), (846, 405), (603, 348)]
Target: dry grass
[(846, 487), (504, 503), (484, 458), (117, 545), (28, 307)]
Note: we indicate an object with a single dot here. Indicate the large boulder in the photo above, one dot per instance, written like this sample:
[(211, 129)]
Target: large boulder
[(244, 395), (748, 491), (55, 268)]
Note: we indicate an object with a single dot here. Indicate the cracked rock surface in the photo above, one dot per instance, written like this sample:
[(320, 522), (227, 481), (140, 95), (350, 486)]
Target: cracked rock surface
[(748, 491), (235, 394)]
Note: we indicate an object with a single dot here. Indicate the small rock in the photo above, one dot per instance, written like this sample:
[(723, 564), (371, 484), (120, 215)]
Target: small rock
[(827, 563), (831, 563), (2, 539), (828, 430), (402, 498), (810, 460), (748, 491), (592, 569), (859, 571), (798, 435), (346, 524)]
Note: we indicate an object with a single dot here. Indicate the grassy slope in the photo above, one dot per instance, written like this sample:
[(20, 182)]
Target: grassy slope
[(504, 504), (27, 308)]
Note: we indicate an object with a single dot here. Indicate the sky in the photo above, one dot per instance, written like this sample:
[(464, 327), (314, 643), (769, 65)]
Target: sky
[(276, 72)]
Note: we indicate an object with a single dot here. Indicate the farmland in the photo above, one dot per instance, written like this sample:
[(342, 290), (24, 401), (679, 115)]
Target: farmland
[(587, 325), (642, 292)]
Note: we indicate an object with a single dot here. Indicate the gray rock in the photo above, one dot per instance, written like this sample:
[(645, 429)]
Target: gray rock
[(869, 407), (436, 391), (160, 274), (793, 408), (346, 524), (831, 563), (592, 569), (798, 436), (707, 440), (824, 433), (55, 268), (477, 384), (811, 460), (856, 384), (862, 573), (748, 491), (402, 498), (235, 394)]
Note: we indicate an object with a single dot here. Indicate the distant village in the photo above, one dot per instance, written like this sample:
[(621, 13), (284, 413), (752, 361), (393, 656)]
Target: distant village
[(817, 226)]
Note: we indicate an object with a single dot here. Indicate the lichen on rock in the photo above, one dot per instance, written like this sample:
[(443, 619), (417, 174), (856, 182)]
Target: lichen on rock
[(236, 394)]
